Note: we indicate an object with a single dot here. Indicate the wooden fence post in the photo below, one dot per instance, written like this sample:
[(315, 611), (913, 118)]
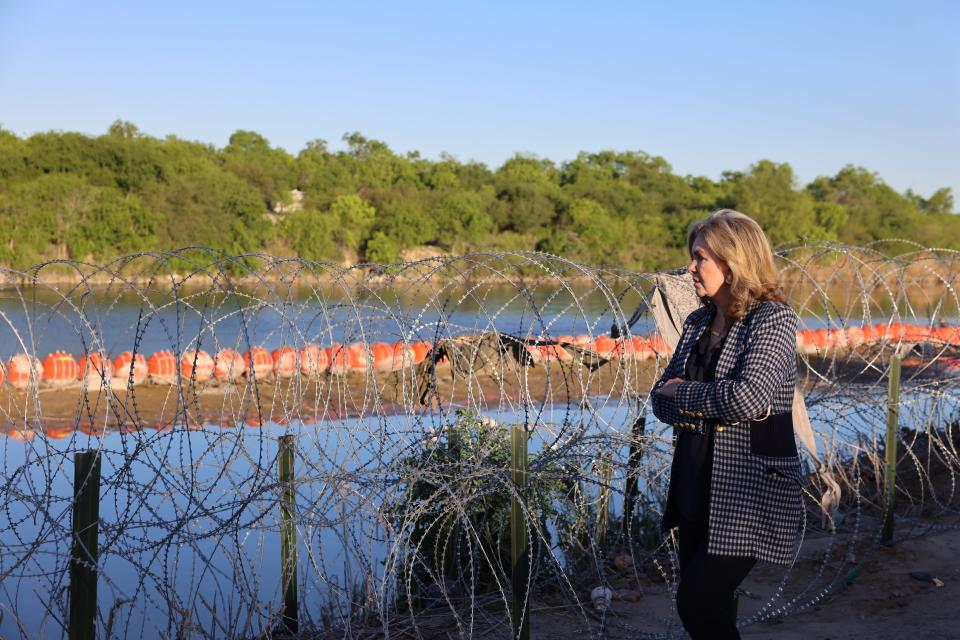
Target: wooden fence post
[(84, 554), (890, 474), (518, 534)]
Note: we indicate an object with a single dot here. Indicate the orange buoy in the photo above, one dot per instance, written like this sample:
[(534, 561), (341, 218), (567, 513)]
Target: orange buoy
[(821, 338), (554, 353), (642, 349), (950, 335), (3, 373), (338, 358), (21, 435), (284, 362), (60, 369), (659, 346), (228, 365), (130, 367), (897, 329), (94, 369), (880, 330), (870, 334), (24, 371), (838, 338), (630, 348), (403, 356), (917, 333), (358, 357), (258, 358), (313, 360), (605, 346), (856, 336), (58, 433), (801, 340), (196, 365), (534, 351), (420, 350), (583, 340), (382, 355), (162, 367)]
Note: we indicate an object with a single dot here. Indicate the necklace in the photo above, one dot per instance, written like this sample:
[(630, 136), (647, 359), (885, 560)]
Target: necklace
[(723, 330)]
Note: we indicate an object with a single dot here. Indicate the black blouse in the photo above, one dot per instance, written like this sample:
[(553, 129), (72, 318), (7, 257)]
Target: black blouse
[(693, 456)]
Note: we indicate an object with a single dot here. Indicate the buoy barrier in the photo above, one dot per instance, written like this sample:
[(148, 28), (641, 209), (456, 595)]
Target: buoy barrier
[(258, 361), (381, 355), (60, 369), (129, 368), (284, 362), (95, 370), (196, 365), (337, 356), (162, 367), (420, 351), (228, 365), (313, 360), (403, 356), (24, 371)]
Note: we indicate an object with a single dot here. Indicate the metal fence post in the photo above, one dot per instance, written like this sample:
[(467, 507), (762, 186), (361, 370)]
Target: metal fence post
[(84, 554), (630, 490), (288, 535), (518, 534), (890, 474)]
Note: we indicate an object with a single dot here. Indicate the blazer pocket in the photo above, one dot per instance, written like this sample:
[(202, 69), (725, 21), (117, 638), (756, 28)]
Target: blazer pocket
[(773, 436)]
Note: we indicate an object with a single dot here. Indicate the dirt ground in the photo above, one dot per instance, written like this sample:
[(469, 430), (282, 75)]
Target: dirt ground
[(891, 593)]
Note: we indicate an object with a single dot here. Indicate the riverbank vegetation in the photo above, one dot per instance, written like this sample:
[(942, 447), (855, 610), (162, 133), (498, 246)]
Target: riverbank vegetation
[(66, 195)]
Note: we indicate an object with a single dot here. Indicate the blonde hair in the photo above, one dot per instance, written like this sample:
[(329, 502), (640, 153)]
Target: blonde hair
[(737, 240)]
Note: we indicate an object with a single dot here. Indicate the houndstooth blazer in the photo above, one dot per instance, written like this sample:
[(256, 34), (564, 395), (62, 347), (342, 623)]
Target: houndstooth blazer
[(755, 508)]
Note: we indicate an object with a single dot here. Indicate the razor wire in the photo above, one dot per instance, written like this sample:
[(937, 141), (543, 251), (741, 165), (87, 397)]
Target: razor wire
[(399, 385)]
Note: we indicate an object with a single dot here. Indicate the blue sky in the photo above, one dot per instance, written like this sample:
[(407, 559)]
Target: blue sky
[(709, 86)]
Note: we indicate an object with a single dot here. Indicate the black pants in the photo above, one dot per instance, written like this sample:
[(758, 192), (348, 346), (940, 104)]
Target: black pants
[(705, 597)]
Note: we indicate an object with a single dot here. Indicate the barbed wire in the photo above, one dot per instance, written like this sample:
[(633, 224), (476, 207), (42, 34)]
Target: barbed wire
[(399, 386)]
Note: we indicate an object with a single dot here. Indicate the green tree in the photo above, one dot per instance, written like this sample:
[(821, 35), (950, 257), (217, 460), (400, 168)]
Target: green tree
[(312, 234), (767, 193), (353, 219), (462, 219), (383, 249), (272, 171), (531, 190)]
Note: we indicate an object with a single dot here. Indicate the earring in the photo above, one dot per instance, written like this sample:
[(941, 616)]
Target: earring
[(728, 279)]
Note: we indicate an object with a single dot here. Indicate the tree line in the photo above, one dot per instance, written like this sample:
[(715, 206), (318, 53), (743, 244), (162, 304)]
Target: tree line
[(70, 195)]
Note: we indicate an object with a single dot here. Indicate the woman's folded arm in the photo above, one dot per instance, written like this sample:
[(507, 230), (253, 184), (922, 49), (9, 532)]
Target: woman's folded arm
[(767, 361)]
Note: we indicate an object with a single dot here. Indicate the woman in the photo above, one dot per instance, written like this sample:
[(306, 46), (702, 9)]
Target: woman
[(728, 390)]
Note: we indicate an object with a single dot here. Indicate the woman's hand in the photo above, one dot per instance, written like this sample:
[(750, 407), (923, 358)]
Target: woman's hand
[(669, 388)]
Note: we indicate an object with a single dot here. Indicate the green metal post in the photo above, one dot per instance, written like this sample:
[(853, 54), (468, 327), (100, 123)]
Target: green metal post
[(893, 423), (518, 534), (84, 554), (633, 466), (288, 535)]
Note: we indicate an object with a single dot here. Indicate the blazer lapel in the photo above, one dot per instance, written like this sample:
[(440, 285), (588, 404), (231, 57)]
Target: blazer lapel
[(732, 348), (686, 346)]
